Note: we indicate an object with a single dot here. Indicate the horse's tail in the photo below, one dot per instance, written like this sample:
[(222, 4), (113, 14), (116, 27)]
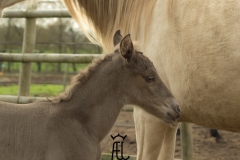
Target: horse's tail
[(99, 19)]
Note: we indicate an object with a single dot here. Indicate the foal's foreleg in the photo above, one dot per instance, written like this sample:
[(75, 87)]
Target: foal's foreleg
[(150, 134)]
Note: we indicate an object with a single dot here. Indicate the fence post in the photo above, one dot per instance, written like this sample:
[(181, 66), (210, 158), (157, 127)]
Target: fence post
[(186, 141), (28, 47)]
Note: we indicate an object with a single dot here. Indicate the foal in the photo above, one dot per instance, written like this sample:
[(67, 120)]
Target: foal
[(71, 126)]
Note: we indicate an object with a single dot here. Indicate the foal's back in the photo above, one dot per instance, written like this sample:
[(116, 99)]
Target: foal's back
[(42, 131), (23, 131)]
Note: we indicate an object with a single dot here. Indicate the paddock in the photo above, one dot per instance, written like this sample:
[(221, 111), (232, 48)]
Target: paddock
[(204, 146), (26, 59)]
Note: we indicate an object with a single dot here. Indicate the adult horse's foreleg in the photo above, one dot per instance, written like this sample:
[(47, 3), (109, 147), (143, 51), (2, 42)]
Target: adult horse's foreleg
[(149, 127)]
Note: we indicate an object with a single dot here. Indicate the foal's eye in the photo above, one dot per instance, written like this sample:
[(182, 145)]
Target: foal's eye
[(150, 79)]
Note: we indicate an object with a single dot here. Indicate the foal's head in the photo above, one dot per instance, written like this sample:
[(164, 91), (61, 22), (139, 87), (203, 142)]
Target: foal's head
[(141, 83)]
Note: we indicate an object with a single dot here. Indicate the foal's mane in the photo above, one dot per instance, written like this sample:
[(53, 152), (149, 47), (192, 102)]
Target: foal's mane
[(104, 17), (84, 75), (80, 79)]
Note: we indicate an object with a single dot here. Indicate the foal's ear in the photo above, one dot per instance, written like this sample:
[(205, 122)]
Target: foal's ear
[(117, 37), (126, 47)]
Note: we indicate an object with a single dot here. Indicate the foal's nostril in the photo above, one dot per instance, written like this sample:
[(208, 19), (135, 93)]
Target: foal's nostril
[(178, 108)]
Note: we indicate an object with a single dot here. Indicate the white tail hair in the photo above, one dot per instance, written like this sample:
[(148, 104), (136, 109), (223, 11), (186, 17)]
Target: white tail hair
[(104, 17)]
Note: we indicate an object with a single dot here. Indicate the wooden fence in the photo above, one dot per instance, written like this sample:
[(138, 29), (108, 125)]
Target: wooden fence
[(27, 56), (50, 58)]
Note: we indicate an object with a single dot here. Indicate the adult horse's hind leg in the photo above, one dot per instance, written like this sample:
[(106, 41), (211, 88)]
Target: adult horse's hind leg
[(149, 127), (219, 138)]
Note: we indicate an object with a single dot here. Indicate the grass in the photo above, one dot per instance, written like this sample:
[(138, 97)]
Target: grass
[(39, 90)]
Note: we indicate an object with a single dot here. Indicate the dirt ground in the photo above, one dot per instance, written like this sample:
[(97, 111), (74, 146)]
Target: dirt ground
[(205, 146)]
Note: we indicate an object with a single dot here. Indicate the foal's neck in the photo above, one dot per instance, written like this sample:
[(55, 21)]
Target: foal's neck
[(99, 102)]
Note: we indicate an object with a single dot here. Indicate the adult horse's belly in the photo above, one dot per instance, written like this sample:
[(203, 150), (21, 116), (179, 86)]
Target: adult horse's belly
[(210, 94), (205, 77), (203, 64)]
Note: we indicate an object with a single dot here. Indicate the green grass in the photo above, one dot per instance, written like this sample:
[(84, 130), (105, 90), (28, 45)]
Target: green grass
[(40, 90)]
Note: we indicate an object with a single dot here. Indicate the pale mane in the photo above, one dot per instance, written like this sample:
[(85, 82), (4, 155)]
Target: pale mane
[(104, 17), (99, 19)]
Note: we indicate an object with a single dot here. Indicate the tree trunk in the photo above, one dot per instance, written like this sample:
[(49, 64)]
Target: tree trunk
[(74, 49), (60, 44), (39, 67), (7, 37)]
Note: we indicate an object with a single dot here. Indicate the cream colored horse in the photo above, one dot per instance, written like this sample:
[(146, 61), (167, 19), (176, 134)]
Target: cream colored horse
[(195, 47)]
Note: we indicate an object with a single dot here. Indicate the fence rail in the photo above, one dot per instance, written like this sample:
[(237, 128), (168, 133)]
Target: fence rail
[(20, 99), (36, 14), (50, 58)]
